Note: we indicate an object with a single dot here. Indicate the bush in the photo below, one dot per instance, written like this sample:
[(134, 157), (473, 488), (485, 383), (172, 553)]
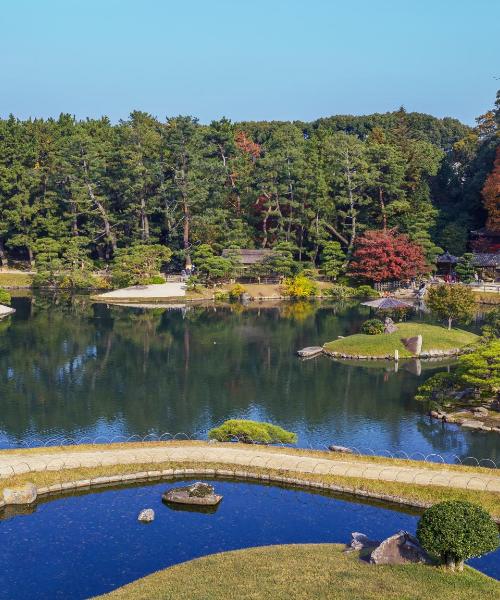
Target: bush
[(193, 284), (339, 291), (249, 432), (156, 280), (451, 302), (366, 291), (221, 296), (4, 297), (372, 327), (457, 530), (236, 291), (299, 287)]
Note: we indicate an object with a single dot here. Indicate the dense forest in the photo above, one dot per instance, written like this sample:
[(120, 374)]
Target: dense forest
[(90, 187)]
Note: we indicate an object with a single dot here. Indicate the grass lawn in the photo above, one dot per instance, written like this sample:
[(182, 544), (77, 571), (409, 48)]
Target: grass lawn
[(15, 280), (318, 571), (434, 337)]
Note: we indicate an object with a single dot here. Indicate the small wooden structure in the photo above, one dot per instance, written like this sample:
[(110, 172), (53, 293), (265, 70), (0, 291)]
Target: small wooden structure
[(248, 256), (446, 263), (487, 265)]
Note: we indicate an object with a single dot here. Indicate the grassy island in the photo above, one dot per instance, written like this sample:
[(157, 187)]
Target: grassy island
[(434, 338), (302, 571)]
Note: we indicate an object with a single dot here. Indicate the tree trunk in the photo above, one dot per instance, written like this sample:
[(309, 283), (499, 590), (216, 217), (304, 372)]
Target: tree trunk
[(3, 260), (449, 323), (450, 563), (144, 221), (382, 208), (30, 255), (185, 234)]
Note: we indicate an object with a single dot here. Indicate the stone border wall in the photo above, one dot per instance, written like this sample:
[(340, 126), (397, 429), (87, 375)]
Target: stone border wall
[(432, 354), (144, 476)]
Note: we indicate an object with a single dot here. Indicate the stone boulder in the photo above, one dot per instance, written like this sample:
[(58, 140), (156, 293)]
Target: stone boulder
[(495, 405), (201, 494), (147, 515), (399, 549), (480, 411), (470, 424), (389, 325), (25, 494), (413, 344), (343, 449), (360, 541)]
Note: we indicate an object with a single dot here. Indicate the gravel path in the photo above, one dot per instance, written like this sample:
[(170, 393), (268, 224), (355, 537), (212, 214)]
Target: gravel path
[(12, 463)]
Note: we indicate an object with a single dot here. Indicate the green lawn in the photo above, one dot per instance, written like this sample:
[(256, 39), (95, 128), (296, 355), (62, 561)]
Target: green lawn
[(434, 337), (16, 280), (299, 572)]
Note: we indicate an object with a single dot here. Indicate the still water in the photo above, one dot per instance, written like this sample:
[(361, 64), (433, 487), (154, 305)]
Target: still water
[(73, 370), (79, 546)]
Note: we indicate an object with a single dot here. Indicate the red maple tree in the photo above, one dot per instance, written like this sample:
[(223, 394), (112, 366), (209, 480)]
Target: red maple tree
[(491, 196), (387, 256)]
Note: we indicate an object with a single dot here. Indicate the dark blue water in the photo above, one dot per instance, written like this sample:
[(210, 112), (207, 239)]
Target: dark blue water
[(73, 371), (79, 546)]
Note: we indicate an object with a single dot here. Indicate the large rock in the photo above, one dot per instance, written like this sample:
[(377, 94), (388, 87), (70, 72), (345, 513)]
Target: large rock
[(413, 344), (480, 411), (470, 424), (343, 449), (399, 549), (198, 493), (389, 325), (146, 515), (25, 494), (360, 541)]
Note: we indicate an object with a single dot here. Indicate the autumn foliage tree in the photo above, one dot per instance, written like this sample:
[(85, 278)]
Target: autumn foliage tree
[(387, 256), (491, 195)]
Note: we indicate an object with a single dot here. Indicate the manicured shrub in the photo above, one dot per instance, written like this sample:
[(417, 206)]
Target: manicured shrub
[(372, 327), (338, 291), (366, 291), (156, 279), (250, 432), (4, 297), (457, 530)]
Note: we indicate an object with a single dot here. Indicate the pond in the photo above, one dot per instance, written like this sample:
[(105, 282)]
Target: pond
[(75, 371), (99, 533)]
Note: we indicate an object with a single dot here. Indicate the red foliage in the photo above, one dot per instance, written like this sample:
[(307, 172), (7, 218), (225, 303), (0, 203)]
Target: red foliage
[(246, 144), (491, 196), (387, 256)]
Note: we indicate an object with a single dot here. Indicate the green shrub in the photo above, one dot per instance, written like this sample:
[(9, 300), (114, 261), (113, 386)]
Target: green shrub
[(193, 284), (221, 296), (155, 280), (457, 530), (366, 291), (236, 291), (249, 432), (4, 297), (338, 291), (372, 327)]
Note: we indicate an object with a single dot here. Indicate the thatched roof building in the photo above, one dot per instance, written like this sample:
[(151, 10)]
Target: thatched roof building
[(248, 256)]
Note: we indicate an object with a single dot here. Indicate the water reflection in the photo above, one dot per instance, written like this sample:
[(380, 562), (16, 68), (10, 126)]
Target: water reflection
[(72, 368)]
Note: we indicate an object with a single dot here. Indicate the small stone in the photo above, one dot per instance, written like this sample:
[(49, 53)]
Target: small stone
[(343, 449), (360, 541), (25, 494), (146, 515)]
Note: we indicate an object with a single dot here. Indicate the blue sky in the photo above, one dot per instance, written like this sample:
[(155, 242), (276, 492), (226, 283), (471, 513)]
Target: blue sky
[(248, 59)]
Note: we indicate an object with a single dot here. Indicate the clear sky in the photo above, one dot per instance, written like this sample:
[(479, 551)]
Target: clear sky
[(248, 59)]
